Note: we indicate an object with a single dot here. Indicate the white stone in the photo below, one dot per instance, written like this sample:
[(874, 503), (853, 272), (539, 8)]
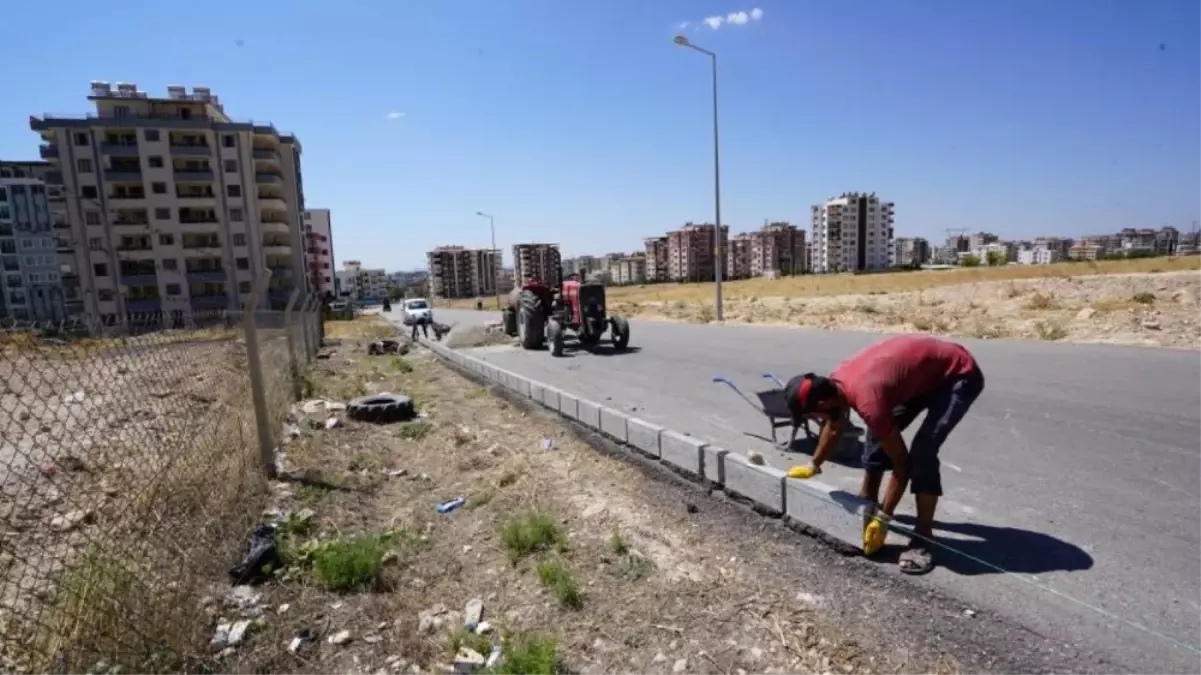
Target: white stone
[(340, 638)]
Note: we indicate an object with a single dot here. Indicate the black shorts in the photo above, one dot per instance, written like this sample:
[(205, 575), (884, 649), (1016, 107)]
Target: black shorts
[(944, 408)]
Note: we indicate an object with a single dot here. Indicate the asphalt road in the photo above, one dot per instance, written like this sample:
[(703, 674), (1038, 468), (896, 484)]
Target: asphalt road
[(1073, 488)]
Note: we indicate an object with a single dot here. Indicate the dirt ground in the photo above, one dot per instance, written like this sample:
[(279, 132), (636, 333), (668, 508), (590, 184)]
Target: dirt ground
[(624, 583), (1134, 309)]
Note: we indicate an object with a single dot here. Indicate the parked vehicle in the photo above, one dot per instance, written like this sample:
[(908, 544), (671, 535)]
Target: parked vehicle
[(417, 309)]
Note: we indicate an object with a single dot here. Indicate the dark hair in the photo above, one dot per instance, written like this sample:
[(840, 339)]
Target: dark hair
[(804, 393)]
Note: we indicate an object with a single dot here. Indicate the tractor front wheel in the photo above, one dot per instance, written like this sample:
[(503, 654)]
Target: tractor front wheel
[(620, 329), (554, 333)]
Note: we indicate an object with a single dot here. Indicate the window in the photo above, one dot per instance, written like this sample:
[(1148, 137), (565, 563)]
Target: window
[(239, 239), (155, 161), (100, 269), (233, 190), (26, 243), (235, 215), (81, 139), (120, 111), (243, 286), (172, 289), (91, 217), (228, 141), (166, 240), (231, 166), (151, 135), (161, 213), (83, 165), (95, 243), (170, 264), (158, 188), (105, 295), (89, 192), (307, 215), (243, 263)]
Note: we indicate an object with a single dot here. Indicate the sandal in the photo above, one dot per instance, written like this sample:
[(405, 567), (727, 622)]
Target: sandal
[(917, 559)]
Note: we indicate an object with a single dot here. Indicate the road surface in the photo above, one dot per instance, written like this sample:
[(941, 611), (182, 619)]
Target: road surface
[(1073, 488)]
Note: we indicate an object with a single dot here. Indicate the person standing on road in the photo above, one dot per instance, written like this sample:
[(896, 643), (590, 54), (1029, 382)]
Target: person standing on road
[(423, 322), (888, 384)]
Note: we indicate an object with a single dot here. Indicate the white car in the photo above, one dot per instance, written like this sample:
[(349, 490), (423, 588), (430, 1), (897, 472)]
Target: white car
[(417, 309)]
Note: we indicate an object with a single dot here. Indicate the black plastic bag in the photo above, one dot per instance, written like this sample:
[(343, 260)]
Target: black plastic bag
[(260, 561)]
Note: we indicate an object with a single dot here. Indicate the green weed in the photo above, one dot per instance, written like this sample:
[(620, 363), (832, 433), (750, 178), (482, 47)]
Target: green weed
[(530, 533), (561, 583)]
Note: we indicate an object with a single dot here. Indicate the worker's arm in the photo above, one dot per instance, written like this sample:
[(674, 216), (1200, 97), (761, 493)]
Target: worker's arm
[(831, 432), (894, 446)]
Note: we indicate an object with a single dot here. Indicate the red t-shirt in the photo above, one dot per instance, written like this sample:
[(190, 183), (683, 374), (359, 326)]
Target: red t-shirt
[(896, 370)]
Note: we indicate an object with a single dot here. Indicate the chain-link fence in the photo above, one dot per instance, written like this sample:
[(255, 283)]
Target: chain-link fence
[(134, 457)]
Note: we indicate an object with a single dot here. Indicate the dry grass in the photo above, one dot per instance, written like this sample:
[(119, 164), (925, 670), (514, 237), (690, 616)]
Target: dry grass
[(577, 562), (158, 458), (864, 284), (370, 326)]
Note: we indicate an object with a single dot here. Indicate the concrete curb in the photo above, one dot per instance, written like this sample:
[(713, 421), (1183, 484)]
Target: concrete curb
[(808, 505)]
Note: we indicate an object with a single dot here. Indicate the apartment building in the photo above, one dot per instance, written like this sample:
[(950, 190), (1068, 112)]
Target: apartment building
[(172, 205), (852, 233), (692, 251), (656, 258), (629, 269), (1146, 240), (460, 272), (361, 282), (319, 250), (540, 261), (30, 281), (909, 252), (738, 256), (994, 252), (1039, 254)]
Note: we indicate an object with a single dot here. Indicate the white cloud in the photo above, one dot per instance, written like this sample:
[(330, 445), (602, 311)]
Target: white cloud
[(739, 18), (685, 24), (394, 115)]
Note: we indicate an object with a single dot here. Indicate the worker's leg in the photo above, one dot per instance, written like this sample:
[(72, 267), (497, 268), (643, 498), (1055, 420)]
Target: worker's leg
[(947, 406), (875, 461)]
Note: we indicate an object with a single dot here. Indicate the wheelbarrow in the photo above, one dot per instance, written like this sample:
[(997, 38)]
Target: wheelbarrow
[(771, 404)]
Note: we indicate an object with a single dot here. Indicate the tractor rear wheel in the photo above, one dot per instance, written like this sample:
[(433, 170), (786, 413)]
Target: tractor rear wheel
[(531, 320), (620, 329)]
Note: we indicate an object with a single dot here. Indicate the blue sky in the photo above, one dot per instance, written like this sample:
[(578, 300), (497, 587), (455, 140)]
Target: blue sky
[(578, 122)]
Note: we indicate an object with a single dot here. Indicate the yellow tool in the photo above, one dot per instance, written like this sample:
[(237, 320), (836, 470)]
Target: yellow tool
[(802, 472), (874, 534)]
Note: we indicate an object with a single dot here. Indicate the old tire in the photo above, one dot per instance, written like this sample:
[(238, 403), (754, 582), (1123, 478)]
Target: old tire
[(621, 333), (531, 320), (554, 333), (381, 408)]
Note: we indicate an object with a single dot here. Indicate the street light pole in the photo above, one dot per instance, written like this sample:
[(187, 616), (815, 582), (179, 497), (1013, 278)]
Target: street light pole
[(495, 283), (718, 249)]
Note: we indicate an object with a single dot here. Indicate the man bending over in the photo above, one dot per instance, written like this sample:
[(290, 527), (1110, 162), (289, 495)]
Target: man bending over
[(888, 385)]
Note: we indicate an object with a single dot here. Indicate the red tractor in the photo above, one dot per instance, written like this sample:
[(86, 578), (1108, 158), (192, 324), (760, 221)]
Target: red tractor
[(538, 314)]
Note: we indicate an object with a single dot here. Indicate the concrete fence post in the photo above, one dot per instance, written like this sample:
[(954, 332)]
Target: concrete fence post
[(310, 332), (290, 325), (258, 389)]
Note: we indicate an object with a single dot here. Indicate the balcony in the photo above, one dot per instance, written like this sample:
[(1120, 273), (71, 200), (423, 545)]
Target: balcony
[(123, 175), (269, 178), (150, 279), (62, 245), (266, 155), (126, 196), (48, 151), (277, 249), (143, 305), (189, 150), (194, 175), (273, 204), (198, 220), (209, 301), (195, 198), (6, 230), (131, 220), (275, 227), (202, 276), (119, 149), (280, 272)]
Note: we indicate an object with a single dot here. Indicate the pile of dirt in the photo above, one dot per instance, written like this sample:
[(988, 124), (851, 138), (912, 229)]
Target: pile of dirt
[(481, 528), (465, 336)]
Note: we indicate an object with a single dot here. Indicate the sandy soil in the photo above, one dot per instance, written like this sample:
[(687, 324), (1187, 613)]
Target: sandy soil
[(1136, 309)]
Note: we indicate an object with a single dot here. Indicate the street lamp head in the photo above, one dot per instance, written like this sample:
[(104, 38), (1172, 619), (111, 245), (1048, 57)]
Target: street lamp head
[(680, 40)]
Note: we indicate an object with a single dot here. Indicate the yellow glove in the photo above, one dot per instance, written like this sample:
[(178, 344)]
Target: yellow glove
[(874, 534), (803, 471)]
